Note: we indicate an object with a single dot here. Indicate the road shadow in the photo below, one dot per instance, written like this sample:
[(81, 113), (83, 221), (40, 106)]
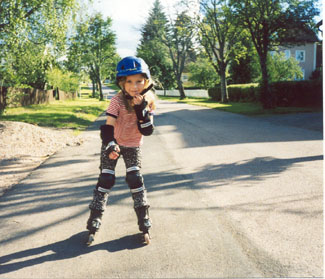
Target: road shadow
[(221, 175), (66, 249), (207, 127)]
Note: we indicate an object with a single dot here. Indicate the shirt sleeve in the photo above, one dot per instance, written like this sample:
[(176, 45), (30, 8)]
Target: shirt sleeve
[(113, 108)]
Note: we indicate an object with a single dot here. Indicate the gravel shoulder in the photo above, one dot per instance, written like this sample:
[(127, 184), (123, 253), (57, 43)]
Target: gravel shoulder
[(23, 147)]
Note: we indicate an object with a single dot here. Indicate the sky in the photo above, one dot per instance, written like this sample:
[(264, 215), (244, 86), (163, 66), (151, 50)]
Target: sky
[(128, 17)]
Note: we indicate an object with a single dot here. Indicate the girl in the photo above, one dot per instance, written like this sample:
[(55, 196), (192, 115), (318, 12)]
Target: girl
[(129, 118)]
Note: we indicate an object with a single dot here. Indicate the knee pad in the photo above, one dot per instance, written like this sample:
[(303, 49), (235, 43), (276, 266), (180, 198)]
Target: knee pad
[(105, 182), (135, 181)]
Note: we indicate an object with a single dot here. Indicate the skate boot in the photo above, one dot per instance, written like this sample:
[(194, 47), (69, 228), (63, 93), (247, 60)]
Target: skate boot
[(144, 222), (93, 225), (97, 208)]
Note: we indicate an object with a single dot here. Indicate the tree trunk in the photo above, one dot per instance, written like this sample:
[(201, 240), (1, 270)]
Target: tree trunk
[(181, 89), (267, 98), (94, 87), (224, 90), (101, 97)]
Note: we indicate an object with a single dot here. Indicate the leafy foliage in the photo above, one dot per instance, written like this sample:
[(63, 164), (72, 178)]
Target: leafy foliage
[(32, 36), (203, 73), (282, 69)]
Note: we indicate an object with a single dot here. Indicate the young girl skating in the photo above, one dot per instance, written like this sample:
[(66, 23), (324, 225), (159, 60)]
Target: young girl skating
[(129, 118)]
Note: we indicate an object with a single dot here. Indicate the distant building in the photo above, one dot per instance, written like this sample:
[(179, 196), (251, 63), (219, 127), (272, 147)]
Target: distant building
[(307, 54)]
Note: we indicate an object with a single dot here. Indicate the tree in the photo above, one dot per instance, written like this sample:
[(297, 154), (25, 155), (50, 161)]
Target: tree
[(179, 40), (203, 73), (64, 80), (28, 29), (282, 69), (153, 50), (93, 48), (219, 36), (244, 66), (272, 23)]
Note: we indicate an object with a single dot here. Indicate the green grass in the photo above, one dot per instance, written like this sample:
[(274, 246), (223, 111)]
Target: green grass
[(250, 109), (75, 114)]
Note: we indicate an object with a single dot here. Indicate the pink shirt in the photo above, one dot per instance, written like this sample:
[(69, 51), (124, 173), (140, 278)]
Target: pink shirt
[(126, 130)]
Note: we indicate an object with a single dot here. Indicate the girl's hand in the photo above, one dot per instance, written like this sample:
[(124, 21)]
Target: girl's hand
[(137, 100), (115, 154)]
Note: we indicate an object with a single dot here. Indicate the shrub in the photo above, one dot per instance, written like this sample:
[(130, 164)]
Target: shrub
[(215, 93), (243, 92), (301, 93), (237, 92), (298, 93)]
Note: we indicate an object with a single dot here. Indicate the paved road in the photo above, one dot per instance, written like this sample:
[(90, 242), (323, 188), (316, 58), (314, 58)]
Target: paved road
[(231, 196)]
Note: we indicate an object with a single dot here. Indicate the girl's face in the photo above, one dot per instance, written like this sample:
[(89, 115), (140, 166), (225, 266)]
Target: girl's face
[(134, 84)]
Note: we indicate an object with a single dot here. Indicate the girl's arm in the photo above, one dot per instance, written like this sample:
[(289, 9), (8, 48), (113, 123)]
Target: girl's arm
[(114, 153), (110, 121)]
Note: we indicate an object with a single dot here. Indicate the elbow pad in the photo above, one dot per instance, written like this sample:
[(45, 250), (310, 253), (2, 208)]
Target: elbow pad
[(145, 125)]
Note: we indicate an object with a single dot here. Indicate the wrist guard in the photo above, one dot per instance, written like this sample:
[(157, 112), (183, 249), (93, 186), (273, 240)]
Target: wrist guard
[(107, 134), (144, 123)]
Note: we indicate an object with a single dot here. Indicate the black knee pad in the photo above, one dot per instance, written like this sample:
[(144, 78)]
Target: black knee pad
[(134, 179), (105, 181)]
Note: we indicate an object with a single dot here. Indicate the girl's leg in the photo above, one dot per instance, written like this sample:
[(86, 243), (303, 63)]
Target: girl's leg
[(106, 181), (132, 159)]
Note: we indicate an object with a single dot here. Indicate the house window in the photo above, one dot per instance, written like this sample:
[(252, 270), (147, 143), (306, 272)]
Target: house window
[(287, 53), (300, 55)]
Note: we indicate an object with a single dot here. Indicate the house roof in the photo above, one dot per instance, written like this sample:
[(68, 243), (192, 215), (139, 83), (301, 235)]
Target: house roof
[(304, 35)]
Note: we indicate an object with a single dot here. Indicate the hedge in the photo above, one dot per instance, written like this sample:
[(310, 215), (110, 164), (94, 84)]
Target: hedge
[(298, 93), (287, 93), (237, 92)]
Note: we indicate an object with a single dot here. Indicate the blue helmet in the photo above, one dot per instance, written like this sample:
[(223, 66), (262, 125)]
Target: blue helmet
[(132, 65)]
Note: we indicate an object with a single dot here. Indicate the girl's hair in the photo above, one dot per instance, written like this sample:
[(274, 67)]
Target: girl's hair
[(149, 96)]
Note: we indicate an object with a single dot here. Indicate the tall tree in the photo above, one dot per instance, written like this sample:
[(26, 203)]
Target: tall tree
[(153, 50), (179, 40), (92, 48), (271, 23), (220, 37)]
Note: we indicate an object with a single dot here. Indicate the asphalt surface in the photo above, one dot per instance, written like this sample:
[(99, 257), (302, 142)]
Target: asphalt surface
[(231, 196)]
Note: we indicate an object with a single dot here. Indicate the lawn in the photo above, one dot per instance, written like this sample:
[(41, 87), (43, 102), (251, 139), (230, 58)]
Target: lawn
[(75, 114)]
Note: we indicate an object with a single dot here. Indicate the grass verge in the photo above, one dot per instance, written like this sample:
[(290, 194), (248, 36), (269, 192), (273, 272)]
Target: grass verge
[(75, 114), (249, 109)]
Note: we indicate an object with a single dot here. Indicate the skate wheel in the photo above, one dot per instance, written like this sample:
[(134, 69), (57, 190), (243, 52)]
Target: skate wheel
[(91, 238), (146, 238)]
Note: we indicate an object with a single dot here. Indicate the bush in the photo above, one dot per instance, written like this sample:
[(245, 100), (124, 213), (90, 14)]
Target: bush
[(303, 93), (298, 93), (215, 93), (243, 92)]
